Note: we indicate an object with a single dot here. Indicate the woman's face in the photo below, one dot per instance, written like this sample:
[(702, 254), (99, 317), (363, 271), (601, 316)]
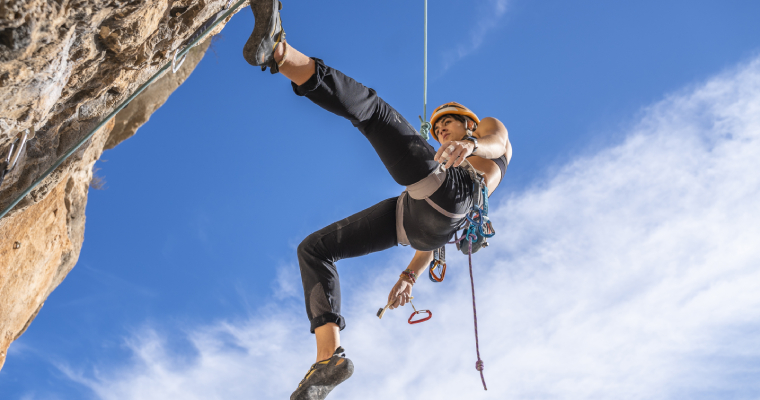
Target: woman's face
[(448, 129)]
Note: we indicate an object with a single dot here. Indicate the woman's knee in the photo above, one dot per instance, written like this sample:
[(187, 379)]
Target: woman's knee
[(308, 249)]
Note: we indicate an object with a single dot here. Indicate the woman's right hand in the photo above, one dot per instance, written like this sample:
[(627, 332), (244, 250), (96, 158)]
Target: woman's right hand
[(400, 294)]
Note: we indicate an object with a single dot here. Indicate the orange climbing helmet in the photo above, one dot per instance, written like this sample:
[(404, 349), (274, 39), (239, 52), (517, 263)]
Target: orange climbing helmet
[(450, 108)]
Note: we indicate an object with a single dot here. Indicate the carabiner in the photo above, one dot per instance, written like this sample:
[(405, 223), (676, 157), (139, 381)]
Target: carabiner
[(486, 230), (475, 216), (429, 315), (175, 66), (485, 200), (437, 264)]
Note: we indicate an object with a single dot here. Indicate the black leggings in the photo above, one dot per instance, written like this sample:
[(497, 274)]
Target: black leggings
[(408, 158)]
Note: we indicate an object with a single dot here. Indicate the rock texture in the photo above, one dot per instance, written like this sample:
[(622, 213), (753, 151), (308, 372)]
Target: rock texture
[(64, 65)]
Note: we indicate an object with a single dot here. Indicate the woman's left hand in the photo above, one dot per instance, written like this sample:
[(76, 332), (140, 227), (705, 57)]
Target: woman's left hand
[(400, 294), (454, 152)]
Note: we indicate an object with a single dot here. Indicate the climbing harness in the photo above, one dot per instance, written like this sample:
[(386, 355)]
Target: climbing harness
[(14, 152), (173, 64), (425, 126)]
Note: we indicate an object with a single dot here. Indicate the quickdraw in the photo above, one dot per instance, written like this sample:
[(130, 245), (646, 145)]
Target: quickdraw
[(429, 315), (480, 226), (438, 263), (411, 320), (14, 152)]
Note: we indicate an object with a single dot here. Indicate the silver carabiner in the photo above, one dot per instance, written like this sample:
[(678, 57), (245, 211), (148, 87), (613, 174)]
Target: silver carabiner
[(7, 161), (176, 67), (14, 152), (17, 153)]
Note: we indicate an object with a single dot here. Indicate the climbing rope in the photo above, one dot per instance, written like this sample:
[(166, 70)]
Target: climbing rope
[(478, 364), (198, 37), (425, 126), (471, 237)]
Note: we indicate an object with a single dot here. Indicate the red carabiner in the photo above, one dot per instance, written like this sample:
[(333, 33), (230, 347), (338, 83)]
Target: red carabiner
[(429, 315)]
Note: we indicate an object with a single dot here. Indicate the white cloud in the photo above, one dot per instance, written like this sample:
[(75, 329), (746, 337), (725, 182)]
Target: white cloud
[(631, 273), (489, 17), (288, 282)]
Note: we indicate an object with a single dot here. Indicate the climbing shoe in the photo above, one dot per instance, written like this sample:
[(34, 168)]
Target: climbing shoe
[(267, 33), (323, 376)]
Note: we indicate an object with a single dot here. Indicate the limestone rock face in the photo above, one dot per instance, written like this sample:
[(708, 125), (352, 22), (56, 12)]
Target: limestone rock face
[(64, 66)]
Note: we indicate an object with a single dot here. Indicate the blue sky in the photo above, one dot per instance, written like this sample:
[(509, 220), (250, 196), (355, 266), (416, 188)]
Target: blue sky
[(623, 266)]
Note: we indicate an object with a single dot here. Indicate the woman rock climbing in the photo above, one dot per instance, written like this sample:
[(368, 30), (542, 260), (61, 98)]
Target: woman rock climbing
[(439, 190)]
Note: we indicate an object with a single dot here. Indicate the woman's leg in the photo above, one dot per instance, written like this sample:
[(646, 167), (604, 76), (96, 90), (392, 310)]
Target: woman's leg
[(298, 67), (367, 231), (406, 155), (328, 340)]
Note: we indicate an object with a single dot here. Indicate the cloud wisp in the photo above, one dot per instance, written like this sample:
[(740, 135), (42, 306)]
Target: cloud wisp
[(630, 273), (489, 18)]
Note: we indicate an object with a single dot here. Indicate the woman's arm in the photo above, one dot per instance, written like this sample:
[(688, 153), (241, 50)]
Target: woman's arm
[(402, 290), (493, 138), (420, 261), (493, 142)]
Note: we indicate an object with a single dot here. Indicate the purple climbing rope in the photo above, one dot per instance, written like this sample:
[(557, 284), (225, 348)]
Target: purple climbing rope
[(478, 364)]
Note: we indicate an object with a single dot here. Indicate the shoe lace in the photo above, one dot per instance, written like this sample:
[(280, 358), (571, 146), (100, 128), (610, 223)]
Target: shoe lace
[(338, 352), (308, 373)]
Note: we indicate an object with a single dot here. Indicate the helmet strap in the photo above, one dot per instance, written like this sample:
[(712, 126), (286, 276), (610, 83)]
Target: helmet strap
[(467, 122)]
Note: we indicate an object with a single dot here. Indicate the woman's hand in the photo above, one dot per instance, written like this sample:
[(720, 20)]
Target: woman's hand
[(400, 294), (454, 152)]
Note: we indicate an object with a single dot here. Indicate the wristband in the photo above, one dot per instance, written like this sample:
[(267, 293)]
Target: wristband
[(474, 141), (409, 274)]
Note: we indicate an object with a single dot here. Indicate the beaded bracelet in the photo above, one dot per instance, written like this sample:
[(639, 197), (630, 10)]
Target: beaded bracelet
[(409, 274)]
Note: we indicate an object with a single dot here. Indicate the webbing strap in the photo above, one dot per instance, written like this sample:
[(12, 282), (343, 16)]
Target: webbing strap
[(427, 185), (442, 211), (400, 231)]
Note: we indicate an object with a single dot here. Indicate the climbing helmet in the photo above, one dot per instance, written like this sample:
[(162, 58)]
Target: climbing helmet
[(450, 108)]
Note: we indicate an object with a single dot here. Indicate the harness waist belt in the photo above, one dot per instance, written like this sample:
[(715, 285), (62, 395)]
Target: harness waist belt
[(423, 189)]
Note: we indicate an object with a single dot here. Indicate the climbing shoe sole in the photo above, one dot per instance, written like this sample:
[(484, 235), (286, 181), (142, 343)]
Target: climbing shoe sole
[(267, 33), (324, 376)]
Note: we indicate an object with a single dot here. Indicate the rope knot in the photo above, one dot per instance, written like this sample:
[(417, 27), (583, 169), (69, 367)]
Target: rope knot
[(425, 128), (479, 365)]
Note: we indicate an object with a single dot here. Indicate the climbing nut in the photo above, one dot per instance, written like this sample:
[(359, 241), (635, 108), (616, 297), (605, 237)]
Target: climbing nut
[(17, 245)]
